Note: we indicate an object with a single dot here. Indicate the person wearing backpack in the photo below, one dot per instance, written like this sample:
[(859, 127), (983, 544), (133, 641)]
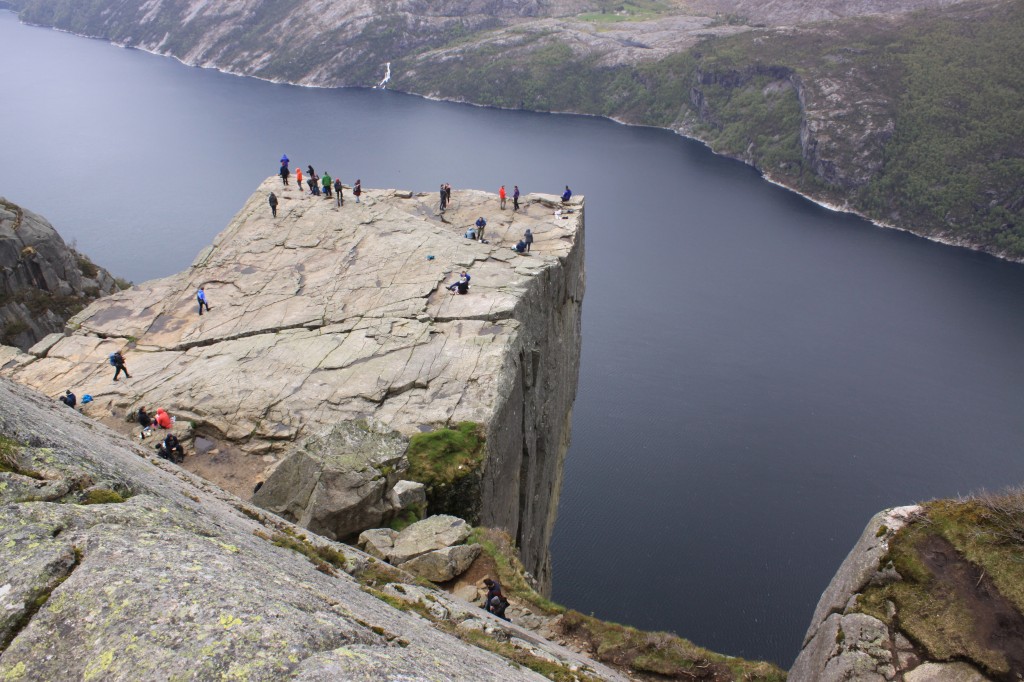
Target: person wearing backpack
[(117, 360), (273, 211), (337, 192), (528, 239)]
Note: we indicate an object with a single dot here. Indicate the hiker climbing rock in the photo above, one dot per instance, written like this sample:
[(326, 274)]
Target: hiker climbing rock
[(273, 211)]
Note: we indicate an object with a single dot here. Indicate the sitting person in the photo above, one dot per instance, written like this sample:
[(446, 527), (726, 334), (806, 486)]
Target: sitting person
[(566, 195), (145, 421), (495, 602), (163, 420), (69, 399), (471, 233), (462, 286), (520, 246), (170, 449)]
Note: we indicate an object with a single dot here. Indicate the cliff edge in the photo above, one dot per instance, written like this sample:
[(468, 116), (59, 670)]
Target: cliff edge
[(326, 315)]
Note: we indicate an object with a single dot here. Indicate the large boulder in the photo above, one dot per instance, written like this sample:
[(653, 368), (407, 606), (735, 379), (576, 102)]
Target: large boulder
[(432, 533), (377, 542), (441, 565), (338, 484)]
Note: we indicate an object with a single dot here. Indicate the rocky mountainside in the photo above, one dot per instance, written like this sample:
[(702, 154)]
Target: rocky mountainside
[(930, 592), (908, 112), (117, 565), (324, 316), (43, 281)]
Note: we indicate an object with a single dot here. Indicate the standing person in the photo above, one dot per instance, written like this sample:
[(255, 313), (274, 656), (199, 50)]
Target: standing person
[(316, 185), (284, 174), (528, 239), (310, 172), (515, 197), (337, 192), (201, 298), (298, 179), (501, 195), (69, 399), (312, 184), (357, 189), (566, 195), (444, 198), (117, 360), (480, 225), (447, 193), (326, 182), (273, 211)]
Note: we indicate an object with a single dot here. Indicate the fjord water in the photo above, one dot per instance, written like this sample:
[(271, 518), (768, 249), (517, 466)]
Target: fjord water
[(759, 374)]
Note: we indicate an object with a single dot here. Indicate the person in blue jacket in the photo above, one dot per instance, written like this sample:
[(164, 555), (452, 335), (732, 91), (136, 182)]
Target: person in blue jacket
[(201, 297), (567, 194)]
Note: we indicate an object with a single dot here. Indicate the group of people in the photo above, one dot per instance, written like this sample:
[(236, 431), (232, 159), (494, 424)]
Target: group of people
[(170, 447), (502, 197), (494, 601), (325, 185)]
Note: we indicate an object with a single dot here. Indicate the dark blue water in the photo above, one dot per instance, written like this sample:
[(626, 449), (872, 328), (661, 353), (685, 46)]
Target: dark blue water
[(759, 375)]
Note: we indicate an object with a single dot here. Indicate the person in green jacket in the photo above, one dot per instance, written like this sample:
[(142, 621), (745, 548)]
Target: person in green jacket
[(326, 182)]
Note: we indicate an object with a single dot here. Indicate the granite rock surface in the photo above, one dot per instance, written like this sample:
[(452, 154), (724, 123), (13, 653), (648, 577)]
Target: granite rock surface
[(324, 315)]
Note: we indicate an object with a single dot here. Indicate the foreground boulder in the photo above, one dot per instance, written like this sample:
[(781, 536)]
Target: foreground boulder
[(340, 483), (129, 568), (431, 549)]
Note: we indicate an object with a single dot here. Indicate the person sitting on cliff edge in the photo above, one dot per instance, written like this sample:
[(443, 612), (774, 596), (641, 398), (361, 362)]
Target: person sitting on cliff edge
[(566, 195)]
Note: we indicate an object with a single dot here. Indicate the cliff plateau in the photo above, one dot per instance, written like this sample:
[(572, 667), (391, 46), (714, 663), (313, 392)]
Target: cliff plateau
[(324, 316)]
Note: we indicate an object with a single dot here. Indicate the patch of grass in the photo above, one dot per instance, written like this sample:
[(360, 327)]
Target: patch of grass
[(324, 558), (498, 545), (102, 496), (660, 653), (88, 269), (406, 518), (445, 455), (987, 533), (549, 669)]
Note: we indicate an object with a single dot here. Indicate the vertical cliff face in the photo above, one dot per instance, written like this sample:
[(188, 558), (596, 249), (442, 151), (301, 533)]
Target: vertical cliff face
[(529, 435), (43, 281), (327, 315)]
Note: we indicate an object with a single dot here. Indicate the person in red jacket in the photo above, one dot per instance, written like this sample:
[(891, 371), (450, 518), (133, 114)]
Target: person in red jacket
[(163, 420), (501, 195)]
